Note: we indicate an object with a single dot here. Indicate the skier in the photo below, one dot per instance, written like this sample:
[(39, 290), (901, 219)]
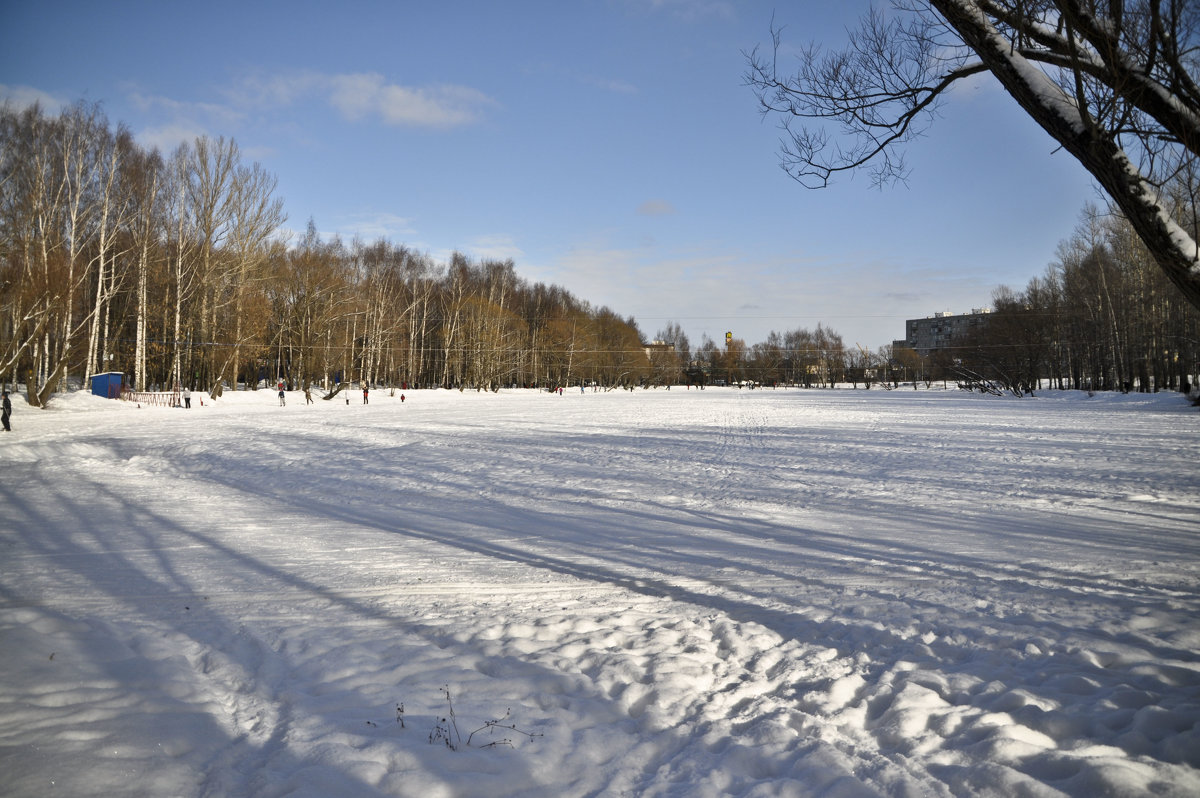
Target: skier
[(366, 388), (187, 398), (282, 401), (7, 413)]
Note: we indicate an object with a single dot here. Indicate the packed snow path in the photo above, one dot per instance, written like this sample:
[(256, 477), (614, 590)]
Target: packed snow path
[(670, 593)]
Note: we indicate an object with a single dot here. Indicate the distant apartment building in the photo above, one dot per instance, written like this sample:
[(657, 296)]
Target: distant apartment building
[(943, 330), (659, 348)]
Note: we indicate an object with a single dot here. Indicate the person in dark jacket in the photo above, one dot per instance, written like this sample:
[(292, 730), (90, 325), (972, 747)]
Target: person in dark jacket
[(7, 413)]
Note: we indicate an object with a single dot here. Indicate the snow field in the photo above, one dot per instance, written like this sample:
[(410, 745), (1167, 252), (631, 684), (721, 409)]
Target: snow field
[(810, 593)]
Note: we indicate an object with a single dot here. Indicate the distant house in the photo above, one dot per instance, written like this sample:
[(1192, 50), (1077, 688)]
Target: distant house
[(658, 347), (943, 330)]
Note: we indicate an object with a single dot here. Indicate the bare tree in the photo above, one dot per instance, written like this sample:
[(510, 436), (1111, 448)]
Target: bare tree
[(146, 176), (313, 304), (113, 202), (181, 245), (1113, 83), (673, 334), (30, 201), (256, 216), (211, 178), (68, 157)]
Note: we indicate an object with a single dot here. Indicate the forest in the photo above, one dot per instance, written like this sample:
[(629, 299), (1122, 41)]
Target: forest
[(174, 270)]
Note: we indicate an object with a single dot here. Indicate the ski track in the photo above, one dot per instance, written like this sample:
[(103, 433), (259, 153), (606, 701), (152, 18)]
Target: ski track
[(732, 593)]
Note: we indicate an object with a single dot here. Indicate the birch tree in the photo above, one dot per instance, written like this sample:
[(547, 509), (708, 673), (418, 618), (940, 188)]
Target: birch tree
[(313, 302), (210, 193), (30, 199), (420, 276), (146, 226), (1113, 83), (181, 246), (64, 228), (255, 216), (112, 205), (453, 301), (53, 179)]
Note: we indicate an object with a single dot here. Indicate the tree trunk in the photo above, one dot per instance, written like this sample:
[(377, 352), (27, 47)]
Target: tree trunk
[(1059, 115)]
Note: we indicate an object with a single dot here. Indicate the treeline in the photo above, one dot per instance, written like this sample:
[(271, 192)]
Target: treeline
[(173, 271), (1102, 317), (807, 358)]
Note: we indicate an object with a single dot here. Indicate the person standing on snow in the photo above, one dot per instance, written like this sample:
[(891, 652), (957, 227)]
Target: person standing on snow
[(7, 412), (282, 401), (366, 389), (187, 397)]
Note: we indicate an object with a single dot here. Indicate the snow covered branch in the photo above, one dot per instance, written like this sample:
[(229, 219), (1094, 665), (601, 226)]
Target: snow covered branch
[(1112, 84)]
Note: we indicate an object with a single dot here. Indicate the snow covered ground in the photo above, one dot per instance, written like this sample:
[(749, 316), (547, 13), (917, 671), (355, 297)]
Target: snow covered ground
[(667, 593)]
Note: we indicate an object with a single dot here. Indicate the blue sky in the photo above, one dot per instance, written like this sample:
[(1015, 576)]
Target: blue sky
[(606, 146)]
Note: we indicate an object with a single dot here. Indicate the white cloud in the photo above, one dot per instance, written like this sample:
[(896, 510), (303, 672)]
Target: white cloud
[(690, 10), (25, 96), (355, 96), (155, 102), (166, 138), (267, 90), (614, 86), (656, 207), (183, 121), (495, 247), (374, 226), (365, 95)]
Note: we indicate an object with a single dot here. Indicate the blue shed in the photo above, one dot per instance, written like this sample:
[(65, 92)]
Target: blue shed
[(107, 384)]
